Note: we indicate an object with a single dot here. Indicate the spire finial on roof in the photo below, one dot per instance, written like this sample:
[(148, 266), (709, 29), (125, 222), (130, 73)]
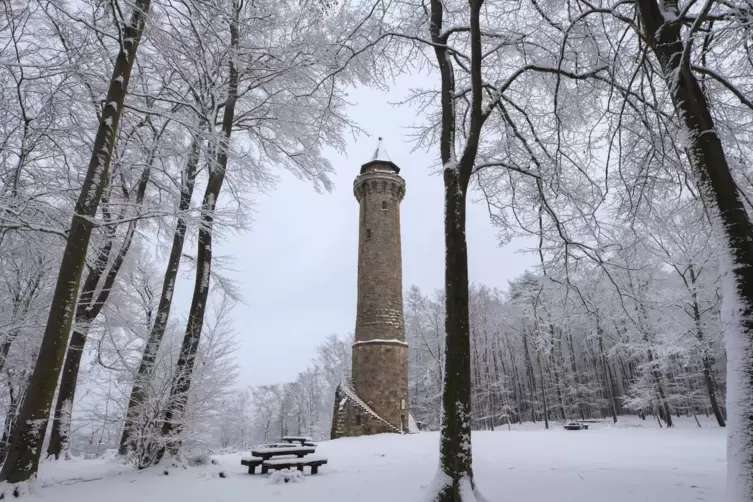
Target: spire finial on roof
[(380, 153)]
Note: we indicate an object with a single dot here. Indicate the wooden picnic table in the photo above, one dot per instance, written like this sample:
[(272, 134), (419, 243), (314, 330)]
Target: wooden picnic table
[(267, 453), (575, 426), (287, 458), (303, 440), (296, 439), (273, 445)]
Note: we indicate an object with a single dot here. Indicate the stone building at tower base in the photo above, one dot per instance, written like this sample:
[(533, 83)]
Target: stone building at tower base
[(353, 417)]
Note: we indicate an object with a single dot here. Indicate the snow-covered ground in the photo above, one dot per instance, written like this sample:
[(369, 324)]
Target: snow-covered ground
[(634, 462)]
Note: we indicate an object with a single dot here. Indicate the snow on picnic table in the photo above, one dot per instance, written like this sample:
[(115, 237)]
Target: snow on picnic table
[(281, 450), (296, 438), (625, 464)]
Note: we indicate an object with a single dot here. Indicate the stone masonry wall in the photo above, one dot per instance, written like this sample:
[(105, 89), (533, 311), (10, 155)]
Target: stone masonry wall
[(380, 378), (350, 420), (380, 266)]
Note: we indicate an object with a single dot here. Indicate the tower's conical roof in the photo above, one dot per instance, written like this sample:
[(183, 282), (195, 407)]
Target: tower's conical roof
[(380, 157), (380, 153)]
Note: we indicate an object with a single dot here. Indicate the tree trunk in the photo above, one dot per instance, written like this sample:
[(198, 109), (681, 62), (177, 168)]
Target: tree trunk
[(11, 416), (607, 374), (531, 378), (576, 377), (181, 384), (148, 357), (455, 446), (555, 369), (705, 359), (61, 424), (455, 476), (27, 439), (663, 404), (87, 310), (543, 391), (518, 384), (713, 174)]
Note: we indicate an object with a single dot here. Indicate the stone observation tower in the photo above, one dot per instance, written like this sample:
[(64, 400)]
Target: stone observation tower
[(375, 400)]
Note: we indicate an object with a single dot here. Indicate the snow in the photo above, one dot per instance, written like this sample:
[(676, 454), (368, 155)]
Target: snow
[(739, 397), (636, 461), (379, 340), (286, 476), (412, 425), (291, 449)]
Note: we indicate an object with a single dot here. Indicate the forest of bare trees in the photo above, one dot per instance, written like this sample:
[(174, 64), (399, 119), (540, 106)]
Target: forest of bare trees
[(614, 135)]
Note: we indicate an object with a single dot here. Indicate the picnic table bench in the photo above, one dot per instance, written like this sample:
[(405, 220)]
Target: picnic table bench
[(252, 463), (303, 440), (288, 456), (575, 426), (288, 463), (267, 453)]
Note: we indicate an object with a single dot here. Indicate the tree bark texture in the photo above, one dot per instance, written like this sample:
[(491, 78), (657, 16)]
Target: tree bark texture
[(26, 441)]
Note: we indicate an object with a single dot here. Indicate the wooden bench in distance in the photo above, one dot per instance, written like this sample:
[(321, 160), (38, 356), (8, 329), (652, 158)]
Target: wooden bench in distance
[(302, 440), (574, 426), (288, 463)]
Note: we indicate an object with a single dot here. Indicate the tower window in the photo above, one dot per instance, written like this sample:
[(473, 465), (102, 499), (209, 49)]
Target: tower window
[(358, 419), (368, 233), (384, 205), (402, 404)]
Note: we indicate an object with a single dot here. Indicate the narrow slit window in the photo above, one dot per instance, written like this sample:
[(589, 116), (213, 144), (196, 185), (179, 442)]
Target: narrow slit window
[(368, 233), (358, 419), (384, 205)]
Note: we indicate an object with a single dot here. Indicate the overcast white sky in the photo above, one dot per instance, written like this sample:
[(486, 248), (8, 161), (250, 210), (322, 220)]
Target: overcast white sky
[(297, 266)]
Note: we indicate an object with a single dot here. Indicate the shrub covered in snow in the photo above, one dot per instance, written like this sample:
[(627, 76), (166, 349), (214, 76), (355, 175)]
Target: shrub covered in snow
[(286, 476)]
